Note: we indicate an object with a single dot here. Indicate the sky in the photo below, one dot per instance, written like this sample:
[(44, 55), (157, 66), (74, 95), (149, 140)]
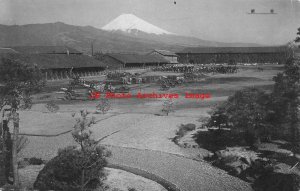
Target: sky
[(216, 20)]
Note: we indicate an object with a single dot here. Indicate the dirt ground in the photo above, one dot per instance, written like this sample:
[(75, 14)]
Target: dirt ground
[(136, 123)]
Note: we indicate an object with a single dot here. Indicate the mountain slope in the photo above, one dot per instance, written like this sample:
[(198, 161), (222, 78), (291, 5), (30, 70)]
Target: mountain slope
[(77, 37), (81, 38)]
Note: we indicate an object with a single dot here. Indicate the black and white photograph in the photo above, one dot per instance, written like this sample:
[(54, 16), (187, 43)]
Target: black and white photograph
[(149, 95)]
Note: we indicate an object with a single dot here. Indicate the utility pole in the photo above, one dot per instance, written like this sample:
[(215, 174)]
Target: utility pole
[(92, 47)]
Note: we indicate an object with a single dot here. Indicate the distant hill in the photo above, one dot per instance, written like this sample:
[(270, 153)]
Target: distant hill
[(81, 38)]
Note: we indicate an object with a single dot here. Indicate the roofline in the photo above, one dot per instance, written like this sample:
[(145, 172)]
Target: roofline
[(281, 49), (115, 58), (62, 46), (156, 50), (9, 48), (133, 62)]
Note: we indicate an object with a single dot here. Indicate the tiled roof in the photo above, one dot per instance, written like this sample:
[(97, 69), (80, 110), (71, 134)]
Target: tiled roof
[(56, 61), (45, 50), (137, 58), (208, 50), (165, 52)]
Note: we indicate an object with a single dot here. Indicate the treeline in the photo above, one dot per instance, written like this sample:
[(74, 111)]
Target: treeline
[(252, 115)]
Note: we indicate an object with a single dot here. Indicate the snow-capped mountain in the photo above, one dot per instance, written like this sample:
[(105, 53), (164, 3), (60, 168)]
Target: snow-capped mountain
[(130, 23)]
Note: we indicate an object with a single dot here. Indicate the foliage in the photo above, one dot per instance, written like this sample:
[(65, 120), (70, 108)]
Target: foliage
[(132, 189), (168, 106), (35, 161), (19, 80), (214, 140), (259, 168), (285, 101), (183, 129), (52, 107), (76, 168), (104, 105), (277, 182), (218, 119), (245, 112), (298, 37), (64, 172)]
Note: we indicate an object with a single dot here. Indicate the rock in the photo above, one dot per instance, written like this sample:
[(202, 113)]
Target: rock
[(246, 160), (236, 171), (250, 179), (244, 167), (210, 154)]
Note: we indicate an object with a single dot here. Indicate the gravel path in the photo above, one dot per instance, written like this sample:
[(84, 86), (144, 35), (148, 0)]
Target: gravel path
[(186, 174), (151, 150)]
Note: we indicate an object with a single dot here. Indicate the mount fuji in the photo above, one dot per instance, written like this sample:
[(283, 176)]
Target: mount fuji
[(130, 23), (135, 27)]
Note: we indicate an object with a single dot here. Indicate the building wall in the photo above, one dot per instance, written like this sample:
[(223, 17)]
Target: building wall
[(206, 58)]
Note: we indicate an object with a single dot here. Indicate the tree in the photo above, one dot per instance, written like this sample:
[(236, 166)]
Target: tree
[(76, 168), (19, 80), (104, 105), (218, 118), (244, 112), (285, 101), (168, 106), (52, 107), (298, 37)]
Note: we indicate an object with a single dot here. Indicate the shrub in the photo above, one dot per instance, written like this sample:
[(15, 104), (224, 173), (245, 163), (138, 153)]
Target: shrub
[(277, 182), (295, 148), (132, 189), (104, 105), (35, 161), (245, 111), (185, 128), (52, 107), (168, 106), (64, 172), (189, 127), (259, 168), (182, 131), (76, 168), (214, 140)]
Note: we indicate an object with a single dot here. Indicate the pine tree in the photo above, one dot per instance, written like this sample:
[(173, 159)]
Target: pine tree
[(19, 80)]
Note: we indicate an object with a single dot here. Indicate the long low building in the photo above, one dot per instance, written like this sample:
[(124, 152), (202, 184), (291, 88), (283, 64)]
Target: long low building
[(122, 60), (233, 55), (55, 61)]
